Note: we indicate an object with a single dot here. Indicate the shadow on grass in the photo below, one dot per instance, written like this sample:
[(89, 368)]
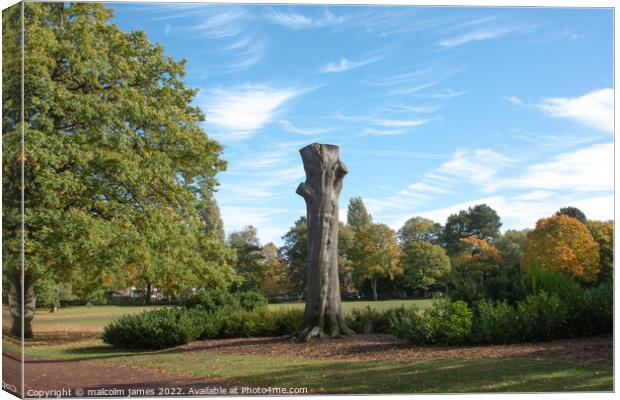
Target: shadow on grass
[(437, 376)]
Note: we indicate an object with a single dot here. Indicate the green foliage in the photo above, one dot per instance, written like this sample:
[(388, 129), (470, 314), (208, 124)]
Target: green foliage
[(118, 168), (541, 317), (512, 246), (371, 320), (603, 234), (573, 212), (251, 300), (357, 215), (295, 253), (495, 323), (445, 323), (211, 300), (157, 329), (547, 280), (423, 263), (418, 229), (262, 322), (249, 263), (480, 221)]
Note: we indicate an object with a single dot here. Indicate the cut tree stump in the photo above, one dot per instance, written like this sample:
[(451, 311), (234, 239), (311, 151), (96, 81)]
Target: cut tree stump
[(324, 176)]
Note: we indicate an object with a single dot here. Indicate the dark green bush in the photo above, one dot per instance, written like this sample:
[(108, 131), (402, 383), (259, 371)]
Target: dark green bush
[(157, 329), (495, 322), (590, 311), (251, 300), (370, 320), (211, 300), (542, 316), (446, 322), (262, 322)]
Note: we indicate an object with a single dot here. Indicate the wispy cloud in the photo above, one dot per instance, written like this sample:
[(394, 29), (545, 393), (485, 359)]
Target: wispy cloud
[(594, 109), (346, 65), (444, 94), (293, 20), (383, 132), (400, 123), (476, 165), (239, 112), (474, 36), (489, 31), (289, 127)]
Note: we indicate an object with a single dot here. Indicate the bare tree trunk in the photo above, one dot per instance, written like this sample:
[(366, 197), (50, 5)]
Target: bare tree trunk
[(15, 301), (324, 174), (373, 284), (149, 292)]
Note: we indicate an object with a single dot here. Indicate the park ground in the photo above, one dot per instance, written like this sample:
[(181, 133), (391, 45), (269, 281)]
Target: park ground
[(68, 353)]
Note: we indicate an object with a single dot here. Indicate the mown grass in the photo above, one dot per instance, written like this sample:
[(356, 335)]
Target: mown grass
[(347, 306), (338, 377)]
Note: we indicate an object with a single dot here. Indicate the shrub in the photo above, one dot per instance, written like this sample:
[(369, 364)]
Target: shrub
[(495, 322), (446, 323), (541, 316), (263, 322), (251, 300), (156, 329), (370, 320), (211, 300), (591, 311)]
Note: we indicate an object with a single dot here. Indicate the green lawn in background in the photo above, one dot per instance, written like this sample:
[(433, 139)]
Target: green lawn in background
[(347, 306)]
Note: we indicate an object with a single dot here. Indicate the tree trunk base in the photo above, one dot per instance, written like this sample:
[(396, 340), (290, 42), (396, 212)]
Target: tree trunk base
[(306, 334)]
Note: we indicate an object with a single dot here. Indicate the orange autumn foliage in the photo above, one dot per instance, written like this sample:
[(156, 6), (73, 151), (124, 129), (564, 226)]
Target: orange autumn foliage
[(565, 244), (477, 254)]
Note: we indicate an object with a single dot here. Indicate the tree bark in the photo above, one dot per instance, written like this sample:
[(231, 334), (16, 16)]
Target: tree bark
[(149, 292), (15, 309), (324, 175), (373, 284)]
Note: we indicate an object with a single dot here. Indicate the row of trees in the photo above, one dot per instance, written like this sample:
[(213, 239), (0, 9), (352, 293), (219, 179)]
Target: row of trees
[(424, 255)]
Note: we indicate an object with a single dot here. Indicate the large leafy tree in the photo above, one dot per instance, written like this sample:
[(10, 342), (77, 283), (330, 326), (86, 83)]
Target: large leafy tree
[(573, 212), (480, 221), (357, 215), (565, 244), (512, 246), (423, 264), (249, 261), (375, 255), (419, 229), (294, 251), (603, 234), (117, 167)]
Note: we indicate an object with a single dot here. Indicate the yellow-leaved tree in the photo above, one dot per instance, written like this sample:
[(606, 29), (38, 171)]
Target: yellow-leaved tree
[(563, 243)]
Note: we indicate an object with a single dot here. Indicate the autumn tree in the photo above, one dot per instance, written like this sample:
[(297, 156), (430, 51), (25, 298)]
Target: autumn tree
[(423, 264), (419, 229), (357, 215), (603, 234), (117, 167), (480, 221), (477, 256), (573, 212), (563, 243), (276, 280), (375, 255)]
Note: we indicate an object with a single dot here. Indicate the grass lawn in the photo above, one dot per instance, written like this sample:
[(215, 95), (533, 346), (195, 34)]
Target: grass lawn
[(347, 306), (74, 319), (334, 376)]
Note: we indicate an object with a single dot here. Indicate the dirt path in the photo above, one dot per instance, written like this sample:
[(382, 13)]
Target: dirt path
[(591, 350), (53, 374), (117, 381)]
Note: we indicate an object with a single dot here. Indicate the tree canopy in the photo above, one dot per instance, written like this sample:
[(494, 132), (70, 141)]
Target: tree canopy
[(563, 243), (423, 263), (419, 229), (573, 212), (480, 221), (357, 215), (118, 169)]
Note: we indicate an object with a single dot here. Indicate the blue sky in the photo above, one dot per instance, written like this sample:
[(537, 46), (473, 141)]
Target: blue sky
[(434, 109)]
